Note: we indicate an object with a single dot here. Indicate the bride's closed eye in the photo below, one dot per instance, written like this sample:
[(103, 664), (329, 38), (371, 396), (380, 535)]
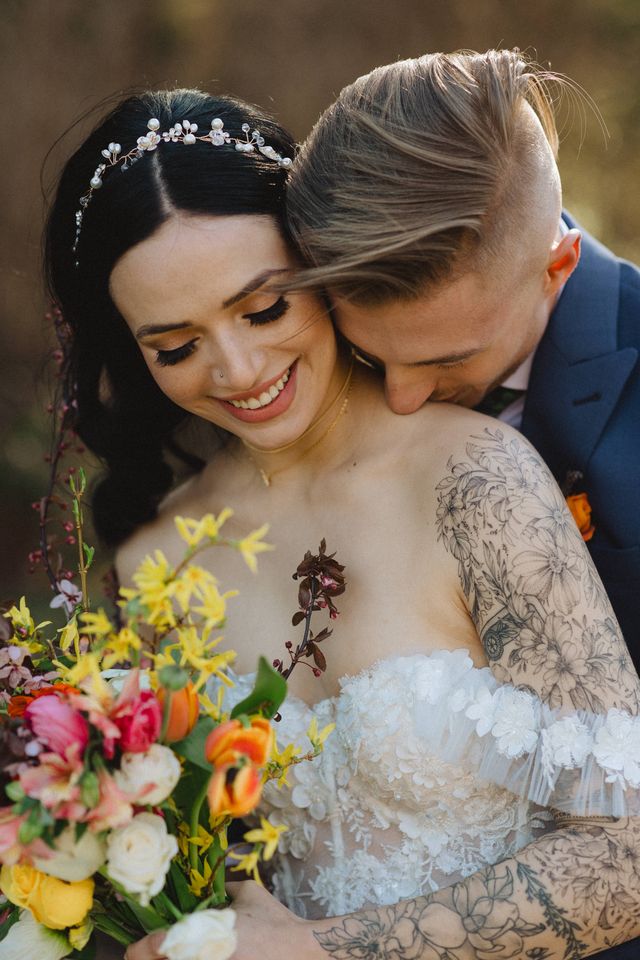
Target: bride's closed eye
[(269, 314), (167, 358)]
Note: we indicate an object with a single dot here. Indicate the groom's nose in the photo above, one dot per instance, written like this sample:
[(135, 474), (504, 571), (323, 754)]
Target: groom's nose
[(407, 388)]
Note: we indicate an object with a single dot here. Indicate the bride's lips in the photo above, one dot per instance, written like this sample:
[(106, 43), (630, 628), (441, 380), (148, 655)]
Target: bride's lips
[(277, 406)]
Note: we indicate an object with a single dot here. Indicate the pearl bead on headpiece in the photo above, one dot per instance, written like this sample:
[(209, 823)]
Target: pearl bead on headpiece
[(184, 132)]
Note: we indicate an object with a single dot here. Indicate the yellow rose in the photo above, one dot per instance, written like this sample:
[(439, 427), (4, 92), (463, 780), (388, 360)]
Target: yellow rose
[(20, 884), (53, 902), (59, 904)]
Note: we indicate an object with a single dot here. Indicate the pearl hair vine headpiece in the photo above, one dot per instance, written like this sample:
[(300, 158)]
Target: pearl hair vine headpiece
[(183, 132)]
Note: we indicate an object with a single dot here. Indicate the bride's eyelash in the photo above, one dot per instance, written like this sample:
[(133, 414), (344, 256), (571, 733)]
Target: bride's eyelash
[(274, 312), (167, 358), (451, 366)]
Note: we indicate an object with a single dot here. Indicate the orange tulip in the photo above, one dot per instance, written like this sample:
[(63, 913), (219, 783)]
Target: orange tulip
[(231, 742), (580, 507), (183, 711), (234, 791)]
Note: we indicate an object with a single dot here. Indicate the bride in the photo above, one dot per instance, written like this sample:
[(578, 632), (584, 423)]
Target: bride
[(477, 795)]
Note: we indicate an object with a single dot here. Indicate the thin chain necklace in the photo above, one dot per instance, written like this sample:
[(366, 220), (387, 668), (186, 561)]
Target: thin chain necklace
[(343, 395)]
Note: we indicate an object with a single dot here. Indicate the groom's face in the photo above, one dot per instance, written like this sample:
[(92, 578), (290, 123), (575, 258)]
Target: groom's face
[(454, 344)]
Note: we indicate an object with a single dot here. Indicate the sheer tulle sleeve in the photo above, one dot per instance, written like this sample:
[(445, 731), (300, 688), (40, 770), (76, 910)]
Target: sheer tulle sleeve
[(574, 761)]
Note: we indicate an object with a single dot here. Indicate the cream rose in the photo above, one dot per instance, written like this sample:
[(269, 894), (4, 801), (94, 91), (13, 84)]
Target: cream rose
[(149, 777), (139, 855), (72, 859), (203, 935)]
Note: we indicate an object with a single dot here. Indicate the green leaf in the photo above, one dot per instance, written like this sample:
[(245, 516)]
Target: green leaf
[(8, 922), (180, 888), (147, 917), (14, 791), (191, 784), (88, 554), (192, 747), (89, 789), (29, 831), (268, 694), (114, 930), (81, 829)]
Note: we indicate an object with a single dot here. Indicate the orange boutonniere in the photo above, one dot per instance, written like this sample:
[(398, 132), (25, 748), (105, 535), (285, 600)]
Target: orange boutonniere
[(580, 508)]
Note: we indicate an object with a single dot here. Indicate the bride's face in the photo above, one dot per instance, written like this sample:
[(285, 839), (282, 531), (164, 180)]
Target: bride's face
[(217, 341)]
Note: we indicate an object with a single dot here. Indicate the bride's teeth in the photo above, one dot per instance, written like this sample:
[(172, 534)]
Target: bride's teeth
[(265, 398)]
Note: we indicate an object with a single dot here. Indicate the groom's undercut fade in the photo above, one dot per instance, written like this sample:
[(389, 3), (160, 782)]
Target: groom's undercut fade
[(420, 170)]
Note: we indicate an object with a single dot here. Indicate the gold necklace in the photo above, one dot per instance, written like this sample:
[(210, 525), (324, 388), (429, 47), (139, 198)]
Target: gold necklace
[(343, 394)]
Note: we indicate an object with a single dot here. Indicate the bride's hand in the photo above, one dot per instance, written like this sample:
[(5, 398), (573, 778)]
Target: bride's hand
[(149, 948), (265, 928)]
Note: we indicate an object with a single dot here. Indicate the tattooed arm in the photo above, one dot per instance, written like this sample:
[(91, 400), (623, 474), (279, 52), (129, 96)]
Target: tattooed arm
[(546, 626), (564, 897), (538, 604)]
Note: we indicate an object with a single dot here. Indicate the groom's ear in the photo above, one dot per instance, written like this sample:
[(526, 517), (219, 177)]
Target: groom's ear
[(563, 259)]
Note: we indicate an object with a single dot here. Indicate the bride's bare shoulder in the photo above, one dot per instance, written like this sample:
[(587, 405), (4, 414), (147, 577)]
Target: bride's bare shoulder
[(432, 435), (160, 533)]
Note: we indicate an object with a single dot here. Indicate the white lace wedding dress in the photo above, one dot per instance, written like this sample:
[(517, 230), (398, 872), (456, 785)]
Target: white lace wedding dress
[(433, 771)]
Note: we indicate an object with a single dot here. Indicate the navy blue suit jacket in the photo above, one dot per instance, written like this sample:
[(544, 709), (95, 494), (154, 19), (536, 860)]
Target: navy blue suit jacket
[(582, 412)]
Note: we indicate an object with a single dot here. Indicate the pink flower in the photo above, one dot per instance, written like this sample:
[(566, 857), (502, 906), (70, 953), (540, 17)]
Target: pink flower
[(10, 848), (68, 596), (138, 717), (54, 781), (113, 809), (57, 725)]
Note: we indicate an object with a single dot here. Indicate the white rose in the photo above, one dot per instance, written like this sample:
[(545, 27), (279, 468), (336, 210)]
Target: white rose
[(28, 938), (116, 679), (158, 768), (203, 935), (73, 860), (139, 855)]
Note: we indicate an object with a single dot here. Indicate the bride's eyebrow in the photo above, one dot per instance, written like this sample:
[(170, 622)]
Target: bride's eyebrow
[(150, 328), (251, 287)]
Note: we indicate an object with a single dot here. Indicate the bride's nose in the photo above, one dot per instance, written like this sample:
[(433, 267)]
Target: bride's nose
[(233, 369)]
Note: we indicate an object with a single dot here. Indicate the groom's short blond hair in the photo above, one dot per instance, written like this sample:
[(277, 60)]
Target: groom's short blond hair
[(419, 169)]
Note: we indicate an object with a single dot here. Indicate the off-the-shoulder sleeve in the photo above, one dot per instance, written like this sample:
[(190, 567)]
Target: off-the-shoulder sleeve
[(574, 761)]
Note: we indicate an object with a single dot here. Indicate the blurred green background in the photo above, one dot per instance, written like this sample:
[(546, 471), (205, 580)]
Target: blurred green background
[(60, 57)]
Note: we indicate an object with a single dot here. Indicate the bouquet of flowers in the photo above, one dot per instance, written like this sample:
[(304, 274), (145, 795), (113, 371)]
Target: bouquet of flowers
[(122, 769)]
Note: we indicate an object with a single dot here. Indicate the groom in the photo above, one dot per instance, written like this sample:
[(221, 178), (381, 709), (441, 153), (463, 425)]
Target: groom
[(428, 199)]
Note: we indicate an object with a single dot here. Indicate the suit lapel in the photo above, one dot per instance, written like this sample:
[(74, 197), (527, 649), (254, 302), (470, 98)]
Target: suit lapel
[(578, 373)]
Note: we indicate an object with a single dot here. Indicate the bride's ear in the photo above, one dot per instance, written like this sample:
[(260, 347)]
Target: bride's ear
[(563, 259)]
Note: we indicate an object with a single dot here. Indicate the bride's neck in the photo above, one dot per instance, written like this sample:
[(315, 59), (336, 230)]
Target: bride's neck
[(326, 439)]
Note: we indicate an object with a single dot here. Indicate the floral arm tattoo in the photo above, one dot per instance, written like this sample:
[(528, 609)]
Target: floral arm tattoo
[(569, 895), (546, 626), (533, 592)]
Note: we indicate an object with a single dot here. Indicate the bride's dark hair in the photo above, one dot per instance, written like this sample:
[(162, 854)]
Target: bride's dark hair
[(122, 415)]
